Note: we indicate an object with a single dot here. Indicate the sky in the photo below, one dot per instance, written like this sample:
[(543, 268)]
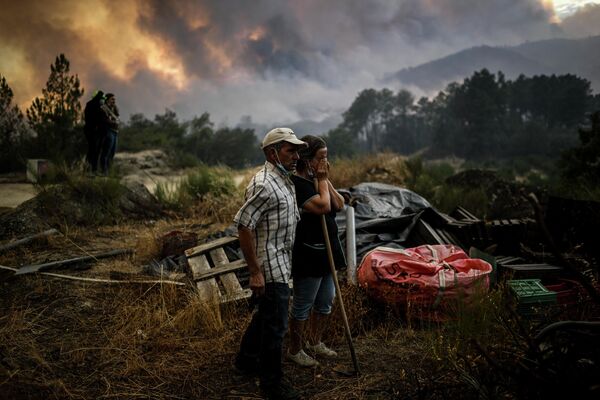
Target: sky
[(268, 61)]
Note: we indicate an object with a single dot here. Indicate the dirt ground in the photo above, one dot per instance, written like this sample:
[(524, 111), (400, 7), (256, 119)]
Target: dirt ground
[(77, 339), (68, 339), (13, 194), (64, 339), (147, 167)]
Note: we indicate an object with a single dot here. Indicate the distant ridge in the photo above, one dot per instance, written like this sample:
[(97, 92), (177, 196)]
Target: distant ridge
[(555, 56)]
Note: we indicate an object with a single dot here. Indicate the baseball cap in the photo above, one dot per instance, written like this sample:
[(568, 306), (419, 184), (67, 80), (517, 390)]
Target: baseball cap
[(281, 135)]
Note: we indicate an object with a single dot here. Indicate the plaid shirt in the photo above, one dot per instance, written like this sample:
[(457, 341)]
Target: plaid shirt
[(271, 212)]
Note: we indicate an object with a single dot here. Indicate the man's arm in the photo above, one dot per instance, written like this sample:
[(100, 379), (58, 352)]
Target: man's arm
[(247, 244)]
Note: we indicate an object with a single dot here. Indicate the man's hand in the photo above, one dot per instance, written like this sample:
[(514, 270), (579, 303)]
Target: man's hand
[(257, 284), (257, 279)]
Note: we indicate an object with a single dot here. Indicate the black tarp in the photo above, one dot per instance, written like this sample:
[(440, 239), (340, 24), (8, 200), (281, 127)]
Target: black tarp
[(385, 215)]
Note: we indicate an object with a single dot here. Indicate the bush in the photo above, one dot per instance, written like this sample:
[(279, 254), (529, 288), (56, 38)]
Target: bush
[(182, 160), (446, 198), (69, 196), (385, 168), (203, 181)]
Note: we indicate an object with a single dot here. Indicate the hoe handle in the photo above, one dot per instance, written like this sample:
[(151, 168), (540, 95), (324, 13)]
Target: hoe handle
[(337, 287)]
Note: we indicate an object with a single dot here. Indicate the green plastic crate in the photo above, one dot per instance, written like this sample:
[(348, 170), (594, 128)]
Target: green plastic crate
[(531, 295)]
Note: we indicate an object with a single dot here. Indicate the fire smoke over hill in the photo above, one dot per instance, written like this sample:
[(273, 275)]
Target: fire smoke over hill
[(273, 60)]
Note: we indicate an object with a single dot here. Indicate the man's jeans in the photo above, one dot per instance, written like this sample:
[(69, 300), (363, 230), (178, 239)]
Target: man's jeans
[(109, 146), (263, 341)]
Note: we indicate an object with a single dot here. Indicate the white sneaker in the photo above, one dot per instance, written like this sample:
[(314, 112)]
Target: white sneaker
[(321, 350), (302, 359)]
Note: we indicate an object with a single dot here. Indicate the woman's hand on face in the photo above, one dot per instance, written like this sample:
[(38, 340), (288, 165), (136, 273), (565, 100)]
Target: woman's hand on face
[(322, 171)]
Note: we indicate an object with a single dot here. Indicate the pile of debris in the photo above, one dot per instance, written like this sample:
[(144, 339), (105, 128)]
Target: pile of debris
[(393, 217), (505, 198)]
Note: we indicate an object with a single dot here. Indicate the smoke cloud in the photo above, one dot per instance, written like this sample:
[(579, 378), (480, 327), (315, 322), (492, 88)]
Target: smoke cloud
[(272, 60)]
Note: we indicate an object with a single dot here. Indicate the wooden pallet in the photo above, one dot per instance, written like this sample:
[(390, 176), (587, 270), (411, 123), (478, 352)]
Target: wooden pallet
[(214, 273)]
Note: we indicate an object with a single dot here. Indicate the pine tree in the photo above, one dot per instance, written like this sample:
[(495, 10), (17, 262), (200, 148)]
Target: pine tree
[(12, 130), (55, 116)]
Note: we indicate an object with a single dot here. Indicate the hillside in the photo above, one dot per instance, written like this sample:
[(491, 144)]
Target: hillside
[(556, 56)]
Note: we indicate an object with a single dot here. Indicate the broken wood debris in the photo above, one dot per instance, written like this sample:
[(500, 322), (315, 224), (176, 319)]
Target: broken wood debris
[(28, 239), (216, 282), (203, 248), (61, 263), (100, 280)]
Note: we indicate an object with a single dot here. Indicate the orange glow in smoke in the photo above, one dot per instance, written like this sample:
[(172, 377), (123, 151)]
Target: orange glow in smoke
[(257, 34)]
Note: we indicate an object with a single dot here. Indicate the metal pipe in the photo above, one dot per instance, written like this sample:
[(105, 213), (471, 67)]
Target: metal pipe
[(350, 245)]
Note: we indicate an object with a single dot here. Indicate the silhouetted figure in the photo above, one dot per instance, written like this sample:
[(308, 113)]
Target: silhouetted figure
[(110, 126), (93, 129)]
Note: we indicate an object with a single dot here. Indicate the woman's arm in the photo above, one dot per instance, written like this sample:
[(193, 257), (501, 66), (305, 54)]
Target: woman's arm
[(321, 203), (336, 198)]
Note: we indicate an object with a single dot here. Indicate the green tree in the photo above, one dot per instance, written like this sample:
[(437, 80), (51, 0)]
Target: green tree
[(581, 165), (340, 143), (55, 117), (478, 105), (363, 119), (140, 133), (199, 137), (401, 130), (12, 130), (235, 147)]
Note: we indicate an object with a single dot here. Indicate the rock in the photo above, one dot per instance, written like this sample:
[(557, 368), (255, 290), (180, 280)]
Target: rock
[(138, 202), (82, 201)]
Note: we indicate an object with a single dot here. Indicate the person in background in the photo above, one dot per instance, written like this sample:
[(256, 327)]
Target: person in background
[(110, 126), (314, 289), (266, 227), (92, 129)]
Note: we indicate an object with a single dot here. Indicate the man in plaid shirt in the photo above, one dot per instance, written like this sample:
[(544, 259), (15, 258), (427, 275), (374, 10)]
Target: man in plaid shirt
[(266, 227)]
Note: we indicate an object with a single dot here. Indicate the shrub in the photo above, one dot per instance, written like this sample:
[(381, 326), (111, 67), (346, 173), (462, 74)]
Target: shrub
[(446, 198), (203, 181), (385, 168), (69, 196)]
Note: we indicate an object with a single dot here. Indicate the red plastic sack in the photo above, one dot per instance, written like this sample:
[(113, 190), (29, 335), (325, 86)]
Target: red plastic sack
[(424, 275)]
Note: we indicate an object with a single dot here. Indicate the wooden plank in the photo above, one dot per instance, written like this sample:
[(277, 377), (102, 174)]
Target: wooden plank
[(466, 214), (244, 294), (508, 259), (449, 237), (427, 232), (203, 248), (28, 239), (229, 280), (209, 289), (61, 263), (534, 266), (221, 269)]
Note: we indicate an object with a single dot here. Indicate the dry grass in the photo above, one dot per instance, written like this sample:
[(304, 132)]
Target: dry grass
[(70, 340), (61, 339), (384, 167)]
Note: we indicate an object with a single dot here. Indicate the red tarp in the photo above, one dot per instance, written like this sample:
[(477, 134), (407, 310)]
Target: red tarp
[(424, 275)]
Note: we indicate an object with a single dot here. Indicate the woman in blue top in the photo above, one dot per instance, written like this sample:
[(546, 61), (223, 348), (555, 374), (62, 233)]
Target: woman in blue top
[(313, 283)]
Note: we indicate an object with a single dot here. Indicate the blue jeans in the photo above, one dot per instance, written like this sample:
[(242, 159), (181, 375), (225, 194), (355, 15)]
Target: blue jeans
[(262, 343), (109, 146), (312, 292)]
